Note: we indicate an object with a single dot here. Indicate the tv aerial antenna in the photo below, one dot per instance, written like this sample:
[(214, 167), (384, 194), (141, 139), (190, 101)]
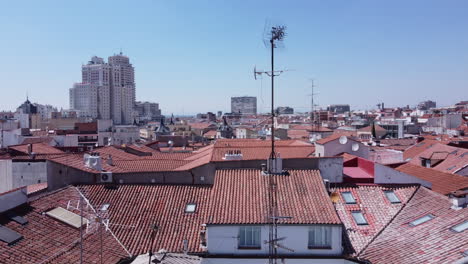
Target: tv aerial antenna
[(312, 105), (94, 219), (273, 37)]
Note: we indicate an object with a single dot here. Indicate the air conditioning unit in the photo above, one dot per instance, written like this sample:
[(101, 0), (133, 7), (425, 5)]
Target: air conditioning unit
[(105, 177)]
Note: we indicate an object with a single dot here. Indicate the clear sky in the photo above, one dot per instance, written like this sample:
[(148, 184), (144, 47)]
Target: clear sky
[(192, 56)]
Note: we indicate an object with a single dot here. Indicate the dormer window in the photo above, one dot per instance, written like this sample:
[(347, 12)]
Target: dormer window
[(190, 208)]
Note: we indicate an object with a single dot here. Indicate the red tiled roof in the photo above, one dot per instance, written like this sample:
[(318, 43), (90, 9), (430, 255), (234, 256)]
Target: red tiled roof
[(430, 242), (369, 129), (257, 149), (442, 182), (453, 158), (376, 208), (38, 148), (200, 125), (298, 134), (414, 150), (34, 140), (302, 195), (331, 138), (46, 240)]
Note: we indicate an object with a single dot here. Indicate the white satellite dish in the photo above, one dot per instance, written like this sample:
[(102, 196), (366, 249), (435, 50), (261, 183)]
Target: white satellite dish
[(355, 147), (374, 144), (343, 140), (170, 143)]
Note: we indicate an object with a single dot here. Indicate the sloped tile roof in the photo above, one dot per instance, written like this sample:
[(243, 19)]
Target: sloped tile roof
[(414, 150), (442, 182), (430, 242), (301, 195), (38, 148), (46, 240), (376, 208), (453, 158)]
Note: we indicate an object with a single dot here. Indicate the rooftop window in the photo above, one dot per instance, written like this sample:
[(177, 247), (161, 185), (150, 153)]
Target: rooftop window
[(348, 197), (359, 218), (421, 220), (460, 227), (391, 196), (190, 208)]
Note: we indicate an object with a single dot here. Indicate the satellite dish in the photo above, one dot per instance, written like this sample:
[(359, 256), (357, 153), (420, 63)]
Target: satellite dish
[(171, 143), (355, 147), (374, 144), (343, 140)]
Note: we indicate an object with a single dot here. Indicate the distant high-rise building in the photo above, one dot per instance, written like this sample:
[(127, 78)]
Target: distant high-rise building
[(148, 111), (245, 105), (106, 91), (426, 105), (285, 110), (339, 108)]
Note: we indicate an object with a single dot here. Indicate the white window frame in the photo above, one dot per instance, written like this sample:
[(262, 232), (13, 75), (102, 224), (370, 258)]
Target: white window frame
[(249, 237), (320, 237)]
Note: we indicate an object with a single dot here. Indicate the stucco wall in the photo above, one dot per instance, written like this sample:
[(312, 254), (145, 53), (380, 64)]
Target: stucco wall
[(28, 172), (223, 239), (281, 260), (6, 178), (384, 175)]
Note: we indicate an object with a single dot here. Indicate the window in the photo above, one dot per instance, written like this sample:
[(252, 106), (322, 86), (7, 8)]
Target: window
[(421, 220), (249, 237), (460, 227), (391, 196), (190, 208), (320, 236), (359, 218), (348, 197)]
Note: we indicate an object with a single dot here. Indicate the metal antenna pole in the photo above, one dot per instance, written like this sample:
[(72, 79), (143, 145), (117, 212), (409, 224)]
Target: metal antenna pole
[(272, 155), (81, 229)]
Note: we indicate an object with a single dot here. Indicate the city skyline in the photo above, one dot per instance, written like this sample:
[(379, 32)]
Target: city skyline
[(358, 53)]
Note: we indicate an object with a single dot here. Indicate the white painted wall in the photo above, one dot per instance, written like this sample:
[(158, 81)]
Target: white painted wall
[(384, 174), (223, 239), (265, 261), (334, 148), (6, 178)]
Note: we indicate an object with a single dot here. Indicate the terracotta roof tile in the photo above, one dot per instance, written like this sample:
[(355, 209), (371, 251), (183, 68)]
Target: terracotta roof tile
[(376, 208), (442, 182), (46, 240), (430, 242), (38, 148), (301, 195)]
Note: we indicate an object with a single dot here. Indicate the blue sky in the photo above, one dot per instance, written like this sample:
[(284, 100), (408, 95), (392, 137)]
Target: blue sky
[(192, 56)]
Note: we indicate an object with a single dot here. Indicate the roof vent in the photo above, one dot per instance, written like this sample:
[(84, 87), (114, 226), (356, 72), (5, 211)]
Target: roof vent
[(275, 165), (233, 155), (92, 161), (459, 199)]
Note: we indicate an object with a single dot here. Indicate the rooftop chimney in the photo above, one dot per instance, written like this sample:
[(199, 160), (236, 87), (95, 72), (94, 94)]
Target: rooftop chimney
[(459, 199)]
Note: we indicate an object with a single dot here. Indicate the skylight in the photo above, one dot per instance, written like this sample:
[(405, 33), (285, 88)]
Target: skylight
[(105, 206), (460, 227), (359, 218), (391, 196), (348, 197), (421, 220), (190, 208)]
